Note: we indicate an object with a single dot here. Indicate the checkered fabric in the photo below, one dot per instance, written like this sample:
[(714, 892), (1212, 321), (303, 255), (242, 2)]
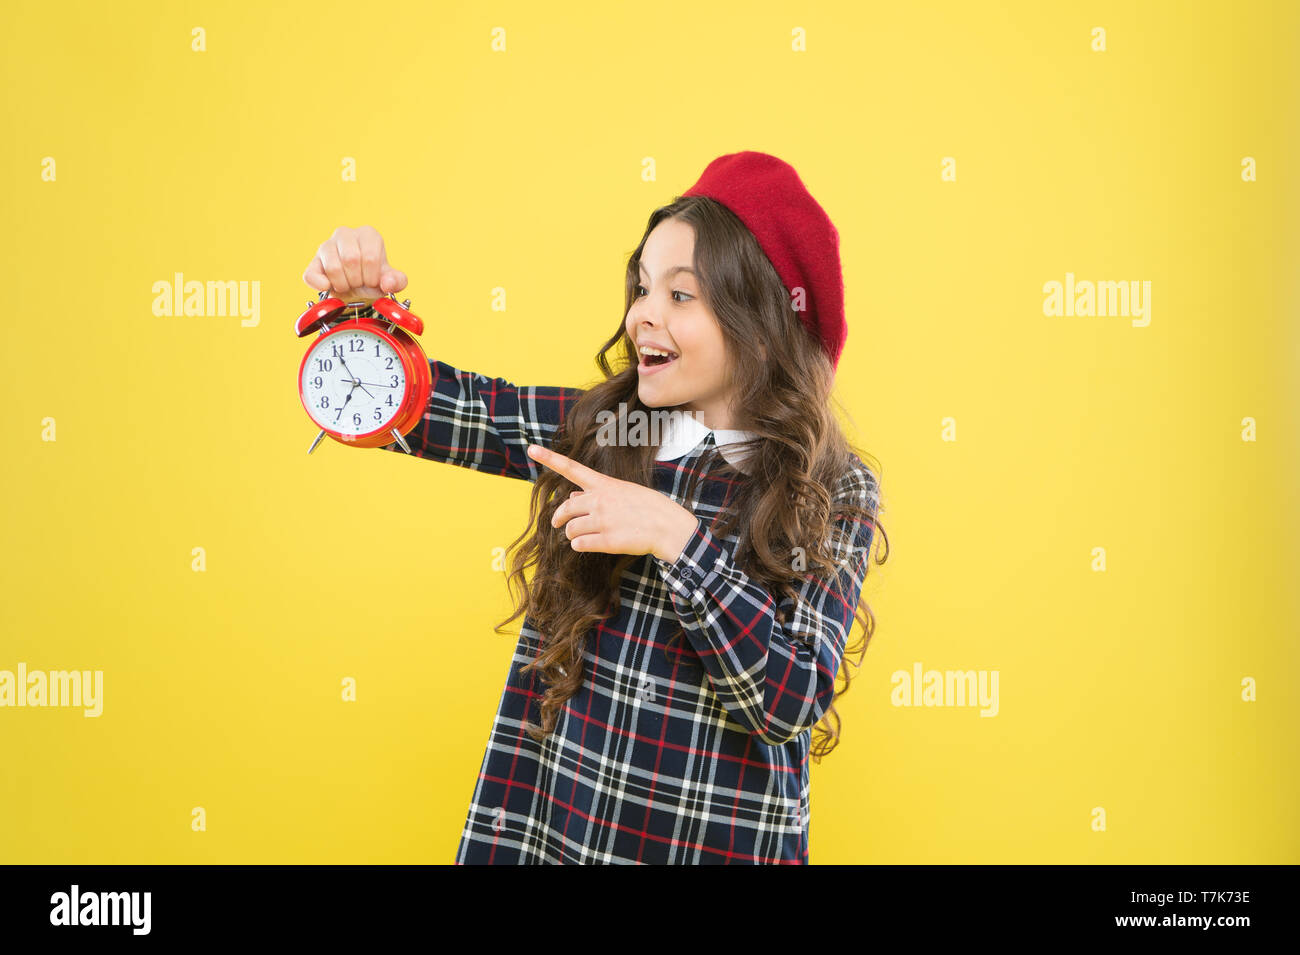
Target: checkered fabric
[(691, 753)]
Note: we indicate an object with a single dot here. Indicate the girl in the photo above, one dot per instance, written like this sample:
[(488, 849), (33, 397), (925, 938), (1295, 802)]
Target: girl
[(694, 583)]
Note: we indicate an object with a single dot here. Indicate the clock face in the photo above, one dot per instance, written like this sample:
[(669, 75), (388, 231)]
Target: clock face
[(353, 382)]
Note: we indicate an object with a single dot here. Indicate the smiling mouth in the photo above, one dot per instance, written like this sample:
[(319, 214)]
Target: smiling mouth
[(653, 363)]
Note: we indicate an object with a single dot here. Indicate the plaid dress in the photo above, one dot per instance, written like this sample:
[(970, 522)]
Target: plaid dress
[(690, 753)]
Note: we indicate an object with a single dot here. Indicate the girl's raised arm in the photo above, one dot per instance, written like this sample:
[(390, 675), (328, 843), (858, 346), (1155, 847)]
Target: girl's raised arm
[(471, 420), (485, 423)]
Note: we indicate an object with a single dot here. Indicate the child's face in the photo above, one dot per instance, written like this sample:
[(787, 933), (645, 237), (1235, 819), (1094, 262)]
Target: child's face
[(669, 313)]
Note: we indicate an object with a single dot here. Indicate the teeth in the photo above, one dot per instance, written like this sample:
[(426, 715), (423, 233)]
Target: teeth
[(647, 350)]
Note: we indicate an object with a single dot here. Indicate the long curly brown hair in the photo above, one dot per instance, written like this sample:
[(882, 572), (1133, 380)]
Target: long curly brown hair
[(793, 468)]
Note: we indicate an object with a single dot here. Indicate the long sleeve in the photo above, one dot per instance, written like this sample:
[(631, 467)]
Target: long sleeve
[(484, 423), (767, 675)]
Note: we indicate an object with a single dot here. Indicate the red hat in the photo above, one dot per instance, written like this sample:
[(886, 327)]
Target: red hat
[(794, 232)]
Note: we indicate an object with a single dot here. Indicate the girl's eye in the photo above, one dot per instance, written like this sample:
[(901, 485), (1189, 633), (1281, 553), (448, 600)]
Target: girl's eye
[(637, 290)]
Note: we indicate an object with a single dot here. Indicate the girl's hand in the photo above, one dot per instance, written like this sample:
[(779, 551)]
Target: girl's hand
[(617, 517), (352, 265)]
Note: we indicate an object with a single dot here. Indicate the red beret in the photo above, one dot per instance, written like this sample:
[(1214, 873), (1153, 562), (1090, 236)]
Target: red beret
[(794, 232)]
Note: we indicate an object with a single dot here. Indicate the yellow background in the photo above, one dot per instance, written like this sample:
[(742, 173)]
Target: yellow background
[(522, 170)]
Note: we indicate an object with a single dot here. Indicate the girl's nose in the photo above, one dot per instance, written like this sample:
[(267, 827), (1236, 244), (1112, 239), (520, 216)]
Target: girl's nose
[(651, 312)]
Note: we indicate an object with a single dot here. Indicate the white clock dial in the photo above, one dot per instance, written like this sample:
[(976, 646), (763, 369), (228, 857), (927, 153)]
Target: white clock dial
[(353, 382)]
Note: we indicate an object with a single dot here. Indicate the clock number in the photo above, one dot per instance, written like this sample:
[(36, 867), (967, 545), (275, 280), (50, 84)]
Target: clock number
[(376, 349), (356, 344), (324, 364), (356, 419), (317, 381), (325, 401), (378, 415), (337, 414), (394, 381), (389, 366), (390, 401), (337, 351)]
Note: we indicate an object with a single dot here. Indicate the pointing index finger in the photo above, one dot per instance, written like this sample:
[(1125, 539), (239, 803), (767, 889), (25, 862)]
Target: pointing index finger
[(579, 474)]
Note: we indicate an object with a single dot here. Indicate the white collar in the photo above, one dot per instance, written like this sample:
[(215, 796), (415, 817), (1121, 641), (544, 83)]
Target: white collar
[(683, 432)]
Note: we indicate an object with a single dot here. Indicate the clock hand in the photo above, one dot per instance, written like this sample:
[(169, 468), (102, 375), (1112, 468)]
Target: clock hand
[(355, 381)]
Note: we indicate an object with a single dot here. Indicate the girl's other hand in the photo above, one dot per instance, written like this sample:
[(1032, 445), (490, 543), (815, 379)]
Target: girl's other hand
[(352, 265), (617, 517)]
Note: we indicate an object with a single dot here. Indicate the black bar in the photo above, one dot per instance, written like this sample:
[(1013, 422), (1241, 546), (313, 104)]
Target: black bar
[(871, 903)]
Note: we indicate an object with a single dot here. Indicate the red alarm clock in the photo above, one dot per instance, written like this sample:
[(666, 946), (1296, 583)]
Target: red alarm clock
[(364, 381)]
